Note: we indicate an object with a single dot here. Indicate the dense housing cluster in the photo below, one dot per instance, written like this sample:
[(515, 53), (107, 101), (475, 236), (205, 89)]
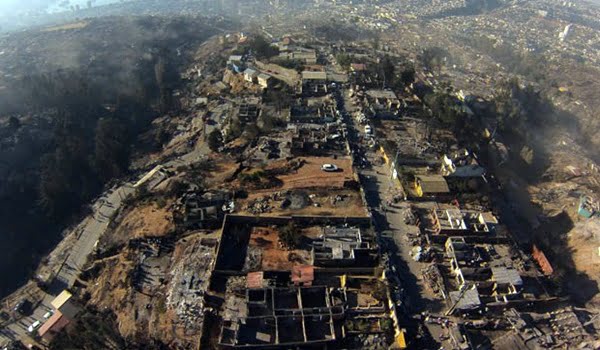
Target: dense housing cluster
[(314, 194)]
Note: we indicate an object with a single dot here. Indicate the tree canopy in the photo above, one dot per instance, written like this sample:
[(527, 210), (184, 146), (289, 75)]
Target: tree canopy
[(262, 48), (433, 58), (215, 140)]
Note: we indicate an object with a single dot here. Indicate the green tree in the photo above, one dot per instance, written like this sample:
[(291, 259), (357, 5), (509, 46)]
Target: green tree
[(344, 60), (215, 140), (262, 48), (432, 58), (446, 107), (281, 99)]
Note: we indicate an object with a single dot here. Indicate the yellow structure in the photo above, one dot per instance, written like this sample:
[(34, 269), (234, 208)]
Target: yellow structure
[(385, 156), (401, 340)]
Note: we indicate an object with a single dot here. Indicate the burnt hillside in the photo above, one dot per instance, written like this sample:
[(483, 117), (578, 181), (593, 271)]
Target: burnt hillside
[(72, 101)]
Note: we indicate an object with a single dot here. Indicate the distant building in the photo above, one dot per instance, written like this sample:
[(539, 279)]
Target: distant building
[(383, 100), (264, 80), (65, 311), (339, 246), (358, 67), (234, 58), (310, 75), (250, 75), (565, 33), (306, 55)]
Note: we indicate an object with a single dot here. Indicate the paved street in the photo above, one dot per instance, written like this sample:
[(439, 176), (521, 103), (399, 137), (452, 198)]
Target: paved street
[(91, 232), (408, 289)]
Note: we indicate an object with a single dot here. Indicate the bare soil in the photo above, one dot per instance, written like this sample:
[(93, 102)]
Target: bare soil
[(310, 174), (274, 256), (146, 220)]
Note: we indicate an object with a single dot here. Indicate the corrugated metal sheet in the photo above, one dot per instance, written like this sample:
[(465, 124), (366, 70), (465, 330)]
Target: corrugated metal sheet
[(541, 259)]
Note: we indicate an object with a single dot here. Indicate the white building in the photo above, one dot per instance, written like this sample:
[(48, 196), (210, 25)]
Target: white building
[(565, 33), (250, 75), (264, 80)]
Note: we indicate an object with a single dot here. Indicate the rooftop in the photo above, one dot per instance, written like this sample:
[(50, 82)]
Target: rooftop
[(54, 324), (433, 184), (308, 75), (61, 299)]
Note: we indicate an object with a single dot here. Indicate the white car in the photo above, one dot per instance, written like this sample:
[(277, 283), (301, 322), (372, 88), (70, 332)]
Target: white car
[(34, 326), (48, 314), (368, 129), (329, 167)]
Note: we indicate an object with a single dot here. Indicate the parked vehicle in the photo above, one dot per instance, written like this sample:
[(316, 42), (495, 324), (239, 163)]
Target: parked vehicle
[(329, 167), (34, 326)]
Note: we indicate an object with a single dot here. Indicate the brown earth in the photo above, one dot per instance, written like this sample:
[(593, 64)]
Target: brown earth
[(310, 174), (274, 257), (145, 220)]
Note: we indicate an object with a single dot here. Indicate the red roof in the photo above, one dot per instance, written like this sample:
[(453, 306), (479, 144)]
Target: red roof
[(303, 275), (254, 279), (53, 325), (540, 257)]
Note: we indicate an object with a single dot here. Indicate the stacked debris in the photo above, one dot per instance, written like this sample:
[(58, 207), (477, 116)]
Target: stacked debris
[(190, 278), (259, 206), (434, 280), (559, 329), (588, 207)]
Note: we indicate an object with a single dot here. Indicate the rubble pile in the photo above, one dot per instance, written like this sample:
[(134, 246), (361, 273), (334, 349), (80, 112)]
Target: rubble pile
[(434, 280), (189, 281)]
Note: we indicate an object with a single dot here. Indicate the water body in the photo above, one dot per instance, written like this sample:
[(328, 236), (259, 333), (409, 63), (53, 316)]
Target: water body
[(19, 7), (56, 7)]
